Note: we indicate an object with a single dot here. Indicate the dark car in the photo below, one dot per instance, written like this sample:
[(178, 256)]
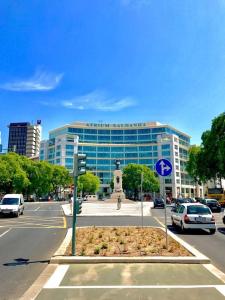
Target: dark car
[(213, 204), (180, 201), (159, 203)]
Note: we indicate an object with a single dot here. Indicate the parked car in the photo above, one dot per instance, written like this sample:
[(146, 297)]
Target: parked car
[(193, 216), (180, 201), (224, 217), (12, 204), (213, 204), (158, 202)]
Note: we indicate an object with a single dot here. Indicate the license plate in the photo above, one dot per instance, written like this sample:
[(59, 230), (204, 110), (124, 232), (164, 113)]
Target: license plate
[(6, 211), (200, 219)]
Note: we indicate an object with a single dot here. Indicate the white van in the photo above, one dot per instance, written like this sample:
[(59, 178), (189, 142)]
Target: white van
[(12, 204)]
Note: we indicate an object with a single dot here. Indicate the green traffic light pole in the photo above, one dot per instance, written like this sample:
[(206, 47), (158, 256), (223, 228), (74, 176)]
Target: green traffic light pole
[(74, 216)]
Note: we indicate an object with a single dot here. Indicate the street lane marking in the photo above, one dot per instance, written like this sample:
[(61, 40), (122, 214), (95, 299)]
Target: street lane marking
[(1, 235), (42, 210), (33, 227), (159, 222), (37, 208), (215, 271), (53, 286), (221, 289), (64, 222), (57, 277)]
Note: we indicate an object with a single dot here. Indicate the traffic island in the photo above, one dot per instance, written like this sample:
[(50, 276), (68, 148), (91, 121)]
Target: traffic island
[(126, 244)]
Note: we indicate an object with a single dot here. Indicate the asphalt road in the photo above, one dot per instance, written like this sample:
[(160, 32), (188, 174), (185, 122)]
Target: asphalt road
[(212, 246), (113, 221), (26, 245)]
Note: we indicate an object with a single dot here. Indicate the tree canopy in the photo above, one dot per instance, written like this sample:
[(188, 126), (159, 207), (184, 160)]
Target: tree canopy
[(132, 179), (88, 183), (21, 175), (208, 160)]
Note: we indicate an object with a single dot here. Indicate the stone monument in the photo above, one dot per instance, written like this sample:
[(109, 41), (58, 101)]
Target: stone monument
[(118, 186)]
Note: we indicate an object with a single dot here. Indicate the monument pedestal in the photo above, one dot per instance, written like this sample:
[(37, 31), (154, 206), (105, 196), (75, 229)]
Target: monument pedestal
[(118, 187)]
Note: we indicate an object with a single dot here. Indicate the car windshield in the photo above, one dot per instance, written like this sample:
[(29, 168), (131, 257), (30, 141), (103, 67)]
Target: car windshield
[(158, 200), (198, 210), (182, 200), (211, 201), (10, 201)]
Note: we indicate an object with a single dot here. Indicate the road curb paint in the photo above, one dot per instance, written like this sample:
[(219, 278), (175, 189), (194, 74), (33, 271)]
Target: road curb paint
[(62, 249)]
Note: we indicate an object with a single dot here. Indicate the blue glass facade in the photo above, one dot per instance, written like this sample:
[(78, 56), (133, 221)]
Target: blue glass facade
[(104, 145)]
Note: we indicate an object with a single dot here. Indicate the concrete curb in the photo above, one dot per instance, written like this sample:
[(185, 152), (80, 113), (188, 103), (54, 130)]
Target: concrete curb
[(62, 249), (67, 210), (190, 248), (197, 258)]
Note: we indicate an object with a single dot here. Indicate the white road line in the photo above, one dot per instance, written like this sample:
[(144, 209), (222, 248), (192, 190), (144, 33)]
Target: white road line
[(56, 277), (221, 289), (37, 208), (138, 287), (1, 235), (215, 271)]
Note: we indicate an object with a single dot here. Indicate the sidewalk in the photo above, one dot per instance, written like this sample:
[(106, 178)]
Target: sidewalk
[(133, 281), (110, 209)]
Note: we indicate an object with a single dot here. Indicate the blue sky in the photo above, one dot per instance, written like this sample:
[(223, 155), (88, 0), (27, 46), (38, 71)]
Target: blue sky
[(112, 61)]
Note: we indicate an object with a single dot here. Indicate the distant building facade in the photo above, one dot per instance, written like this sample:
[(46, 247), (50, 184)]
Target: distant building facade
[(24, 138), (139, 143)]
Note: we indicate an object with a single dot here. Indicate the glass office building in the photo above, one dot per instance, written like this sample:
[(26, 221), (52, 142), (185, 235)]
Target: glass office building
[(138, 143)]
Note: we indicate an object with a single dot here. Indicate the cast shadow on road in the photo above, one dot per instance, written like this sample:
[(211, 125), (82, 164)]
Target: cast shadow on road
[(188, 231), (221, 230), (24, 261)]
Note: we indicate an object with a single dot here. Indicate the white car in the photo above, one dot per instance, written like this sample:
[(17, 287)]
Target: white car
[(193, 216), (12, 204)]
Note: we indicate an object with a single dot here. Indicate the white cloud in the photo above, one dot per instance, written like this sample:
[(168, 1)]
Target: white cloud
[(98, 100), (41, 81)]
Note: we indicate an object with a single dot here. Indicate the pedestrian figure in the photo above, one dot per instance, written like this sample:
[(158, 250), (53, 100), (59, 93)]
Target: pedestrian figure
[(119, 202)]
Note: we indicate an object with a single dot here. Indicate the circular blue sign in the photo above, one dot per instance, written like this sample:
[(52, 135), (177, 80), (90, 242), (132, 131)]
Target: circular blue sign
[(163, 167)]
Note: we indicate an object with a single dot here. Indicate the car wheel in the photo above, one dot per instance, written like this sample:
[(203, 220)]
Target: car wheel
[(212, 231), (173, 223)]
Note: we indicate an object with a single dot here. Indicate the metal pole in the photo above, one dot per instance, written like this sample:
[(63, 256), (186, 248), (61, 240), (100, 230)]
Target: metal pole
[(142, 220), (74, 217), (164, 195)]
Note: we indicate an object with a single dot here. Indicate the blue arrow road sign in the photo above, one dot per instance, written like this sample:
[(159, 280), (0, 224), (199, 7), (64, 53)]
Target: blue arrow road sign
[(163, 167)]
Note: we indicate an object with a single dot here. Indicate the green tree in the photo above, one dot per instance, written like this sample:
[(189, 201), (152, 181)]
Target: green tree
[(217, 136), (11, 166), (89, 183), (192, 166), (132, 179), (60, 178)]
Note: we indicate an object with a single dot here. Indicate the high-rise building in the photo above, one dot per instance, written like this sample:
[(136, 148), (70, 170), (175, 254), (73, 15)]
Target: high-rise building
[(139, 143), (24, 138)]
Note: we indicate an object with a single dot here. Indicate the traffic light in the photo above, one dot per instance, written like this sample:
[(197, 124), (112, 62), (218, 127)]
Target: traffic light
[(79, 164), (78, 207)]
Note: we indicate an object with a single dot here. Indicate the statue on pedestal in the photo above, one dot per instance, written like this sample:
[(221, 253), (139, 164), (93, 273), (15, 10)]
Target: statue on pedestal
[(118, 188)]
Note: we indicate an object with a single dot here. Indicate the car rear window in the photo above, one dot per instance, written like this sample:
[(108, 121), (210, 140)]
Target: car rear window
[(199, 210), (211, 201)]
